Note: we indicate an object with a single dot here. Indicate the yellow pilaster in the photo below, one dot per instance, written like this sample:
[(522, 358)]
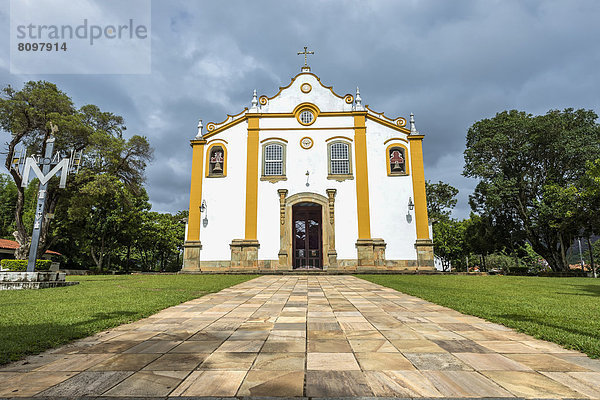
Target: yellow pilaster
[(252, 178), (418, 179), (193, 233), (362, 177)]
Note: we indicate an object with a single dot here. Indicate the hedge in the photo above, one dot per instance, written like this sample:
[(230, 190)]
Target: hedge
[(21, 265)]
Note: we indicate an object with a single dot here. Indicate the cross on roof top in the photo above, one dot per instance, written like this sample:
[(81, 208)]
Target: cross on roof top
[(306, 52)]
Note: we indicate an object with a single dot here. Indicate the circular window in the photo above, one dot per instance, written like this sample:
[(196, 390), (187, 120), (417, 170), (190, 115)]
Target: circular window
[(306, 117)]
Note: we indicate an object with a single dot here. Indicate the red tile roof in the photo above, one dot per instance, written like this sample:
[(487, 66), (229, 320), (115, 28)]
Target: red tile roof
[(12, 245)]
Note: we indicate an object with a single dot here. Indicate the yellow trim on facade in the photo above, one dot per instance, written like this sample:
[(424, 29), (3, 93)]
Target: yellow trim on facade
[(306, 107), (387, 160), (224, 127), (362, 176), (388, 124), (282, 88), (308, 128), (225, 162), (395, 138), (274, 138), (252, 178), (193, 233), (339, 137), (418, 179), (222, 140), (292, 115), (229, 116)]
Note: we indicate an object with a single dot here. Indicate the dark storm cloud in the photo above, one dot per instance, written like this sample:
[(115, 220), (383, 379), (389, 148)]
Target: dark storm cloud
[(450, 62)]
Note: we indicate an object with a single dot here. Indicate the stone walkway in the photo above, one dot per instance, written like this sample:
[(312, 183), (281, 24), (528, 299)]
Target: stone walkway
[(311, 336)]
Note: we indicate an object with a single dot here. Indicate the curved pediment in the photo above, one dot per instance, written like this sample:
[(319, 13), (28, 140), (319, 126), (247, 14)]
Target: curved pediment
[(306, 87)]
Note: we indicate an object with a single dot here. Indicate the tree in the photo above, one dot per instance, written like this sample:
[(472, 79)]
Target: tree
[(449, 243), (8, 198), (482, 237), (26, 114), (160, 241), (100, 213), (441, 199), (521, 160), (448, 233)]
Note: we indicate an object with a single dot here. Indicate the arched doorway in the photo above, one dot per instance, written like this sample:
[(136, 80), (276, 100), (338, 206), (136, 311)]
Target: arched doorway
[(307, 235)]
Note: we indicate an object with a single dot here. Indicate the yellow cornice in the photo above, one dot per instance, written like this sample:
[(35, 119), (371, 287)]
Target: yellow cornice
[(388, 124), (309, 128), (197, 141), (227, 125), (416, 137), (293, 114)]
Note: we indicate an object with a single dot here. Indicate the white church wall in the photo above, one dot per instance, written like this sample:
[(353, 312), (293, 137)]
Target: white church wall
[(388, 196), (322, 97), (298, 161), (225, 198)]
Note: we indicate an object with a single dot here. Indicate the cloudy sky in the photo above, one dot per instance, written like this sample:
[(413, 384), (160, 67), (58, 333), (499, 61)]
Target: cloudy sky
[(449, 62)]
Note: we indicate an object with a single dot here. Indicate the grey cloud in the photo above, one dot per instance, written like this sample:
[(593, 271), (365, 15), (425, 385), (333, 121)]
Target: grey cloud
[(451, 63)]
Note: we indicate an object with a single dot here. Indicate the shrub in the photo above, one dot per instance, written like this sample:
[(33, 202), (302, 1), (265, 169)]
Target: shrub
[(521, 270), (501, 262), (21, 265)]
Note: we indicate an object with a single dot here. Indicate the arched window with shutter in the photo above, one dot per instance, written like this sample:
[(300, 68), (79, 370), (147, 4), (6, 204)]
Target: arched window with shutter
[(339, 160), (273, 165)]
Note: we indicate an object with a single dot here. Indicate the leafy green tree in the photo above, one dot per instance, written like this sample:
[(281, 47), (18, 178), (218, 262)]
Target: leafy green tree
[(482, 237), (448, 233), (100, 213), (449, 242), (160, 240), (441, 199), (27, 113), (8, 198), (521, 160)]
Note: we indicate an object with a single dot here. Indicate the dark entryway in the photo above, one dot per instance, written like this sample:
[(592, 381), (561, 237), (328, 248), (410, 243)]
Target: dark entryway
[(307, 235)]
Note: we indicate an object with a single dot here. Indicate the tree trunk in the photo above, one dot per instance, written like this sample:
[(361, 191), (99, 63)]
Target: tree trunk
[(20, 233), (128, 258), (563, 256), (45, 239), (592, 264), (97, 260)]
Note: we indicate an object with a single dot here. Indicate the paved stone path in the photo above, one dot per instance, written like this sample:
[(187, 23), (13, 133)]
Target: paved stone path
[(311, 336)]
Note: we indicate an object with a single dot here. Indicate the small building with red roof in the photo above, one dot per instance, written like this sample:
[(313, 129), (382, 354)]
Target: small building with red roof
[(8, 247)]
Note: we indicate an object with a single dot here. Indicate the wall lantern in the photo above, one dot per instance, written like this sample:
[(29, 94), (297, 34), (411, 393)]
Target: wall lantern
[(411, 205), (204, 209)]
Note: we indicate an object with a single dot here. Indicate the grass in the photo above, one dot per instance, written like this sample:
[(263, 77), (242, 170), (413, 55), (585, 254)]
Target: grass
[(561, 310), (32, 321)]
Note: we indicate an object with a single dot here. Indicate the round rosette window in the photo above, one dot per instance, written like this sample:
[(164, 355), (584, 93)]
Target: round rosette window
[(306, 117), (306, 114)]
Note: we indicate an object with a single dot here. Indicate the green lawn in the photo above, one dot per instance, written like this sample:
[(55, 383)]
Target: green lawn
[(562, 310), (34, 320)]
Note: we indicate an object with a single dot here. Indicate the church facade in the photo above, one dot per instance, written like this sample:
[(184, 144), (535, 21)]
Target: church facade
[(307, 180)]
